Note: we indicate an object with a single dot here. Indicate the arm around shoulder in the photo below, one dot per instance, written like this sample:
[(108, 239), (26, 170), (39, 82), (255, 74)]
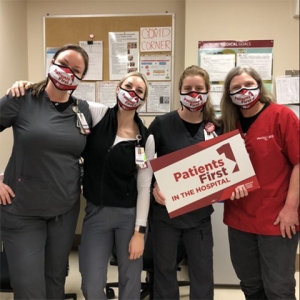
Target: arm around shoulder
[(97, 111)]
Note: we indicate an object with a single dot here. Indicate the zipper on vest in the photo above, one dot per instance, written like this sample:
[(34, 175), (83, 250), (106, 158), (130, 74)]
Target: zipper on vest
[(110, 148)]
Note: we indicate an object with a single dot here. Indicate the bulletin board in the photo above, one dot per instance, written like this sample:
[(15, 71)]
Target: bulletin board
[(219, 57), (64, 29)]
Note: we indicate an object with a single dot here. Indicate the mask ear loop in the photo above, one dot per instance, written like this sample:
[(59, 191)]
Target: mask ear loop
[(180, 101)]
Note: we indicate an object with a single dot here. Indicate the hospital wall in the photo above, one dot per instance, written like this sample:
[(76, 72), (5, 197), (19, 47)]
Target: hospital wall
[(208, 20), (22, 40)]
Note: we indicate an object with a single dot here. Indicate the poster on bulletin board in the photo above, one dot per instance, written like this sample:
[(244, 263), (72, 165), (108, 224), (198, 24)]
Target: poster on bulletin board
[(219, 57)]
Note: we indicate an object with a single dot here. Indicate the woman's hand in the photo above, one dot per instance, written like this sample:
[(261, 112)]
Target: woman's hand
[(159, 197), (240, 192), (5, 194), (19, 87), (287, 220), (136, 245)]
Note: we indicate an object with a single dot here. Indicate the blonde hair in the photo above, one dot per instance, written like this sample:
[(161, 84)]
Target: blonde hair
[(39, 87), (209, 114), (140, 75), (229, 111)]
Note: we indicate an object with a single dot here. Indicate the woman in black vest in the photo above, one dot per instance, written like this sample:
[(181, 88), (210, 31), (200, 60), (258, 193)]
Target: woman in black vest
[(116, 185)]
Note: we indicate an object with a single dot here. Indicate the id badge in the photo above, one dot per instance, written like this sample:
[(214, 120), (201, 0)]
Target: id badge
[(84, 127), (140, 157)]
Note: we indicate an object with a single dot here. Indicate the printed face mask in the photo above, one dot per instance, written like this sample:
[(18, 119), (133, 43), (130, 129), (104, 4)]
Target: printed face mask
[(245, 97), (63, 78), (193, 101), (129, 100)]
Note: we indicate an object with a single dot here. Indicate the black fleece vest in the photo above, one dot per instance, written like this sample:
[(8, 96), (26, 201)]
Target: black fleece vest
[(110, 171)]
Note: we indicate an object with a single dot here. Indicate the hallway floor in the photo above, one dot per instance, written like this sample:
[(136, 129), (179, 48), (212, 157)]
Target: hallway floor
[(73, 284)]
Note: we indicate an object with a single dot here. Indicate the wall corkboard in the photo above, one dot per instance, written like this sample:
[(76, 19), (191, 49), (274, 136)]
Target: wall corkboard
[(61, 30)]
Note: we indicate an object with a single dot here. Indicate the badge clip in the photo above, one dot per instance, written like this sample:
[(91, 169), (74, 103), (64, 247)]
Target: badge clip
[(81, 121), (210, 129)]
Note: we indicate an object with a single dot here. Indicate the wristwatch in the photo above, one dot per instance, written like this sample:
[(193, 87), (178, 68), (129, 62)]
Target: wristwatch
[(140, 229)]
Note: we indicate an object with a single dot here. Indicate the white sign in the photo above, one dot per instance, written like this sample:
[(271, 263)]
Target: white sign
[(155, 39), (217, 65), (156, 67), (204, 173), (95, 53), (85, 91), (123, 53), (261, 62), (159, 97)]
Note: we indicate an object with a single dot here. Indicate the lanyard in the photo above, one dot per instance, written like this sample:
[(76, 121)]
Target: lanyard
[(81, 121)]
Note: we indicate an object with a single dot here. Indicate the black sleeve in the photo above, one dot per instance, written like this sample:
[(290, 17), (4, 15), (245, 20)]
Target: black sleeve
[(9, 109)]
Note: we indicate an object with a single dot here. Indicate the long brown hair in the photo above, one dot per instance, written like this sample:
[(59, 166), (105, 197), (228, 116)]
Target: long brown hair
[(209, 114), (229, 111), (39, 87)]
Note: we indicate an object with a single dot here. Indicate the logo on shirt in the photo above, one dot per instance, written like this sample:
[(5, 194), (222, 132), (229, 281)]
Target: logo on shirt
[(265, 138)]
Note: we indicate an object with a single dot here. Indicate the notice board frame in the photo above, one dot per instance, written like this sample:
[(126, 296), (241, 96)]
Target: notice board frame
[(64, 29)]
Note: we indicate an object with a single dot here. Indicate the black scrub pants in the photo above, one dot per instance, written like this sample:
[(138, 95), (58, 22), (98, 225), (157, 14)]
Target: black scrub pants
[(198, 243), (37, 251), (264, 264)]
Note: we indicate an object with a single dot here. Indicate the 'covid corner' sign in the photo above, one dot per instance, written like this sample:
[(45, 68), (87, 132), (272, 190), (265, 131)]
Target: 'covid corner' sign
[(204, 173)]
